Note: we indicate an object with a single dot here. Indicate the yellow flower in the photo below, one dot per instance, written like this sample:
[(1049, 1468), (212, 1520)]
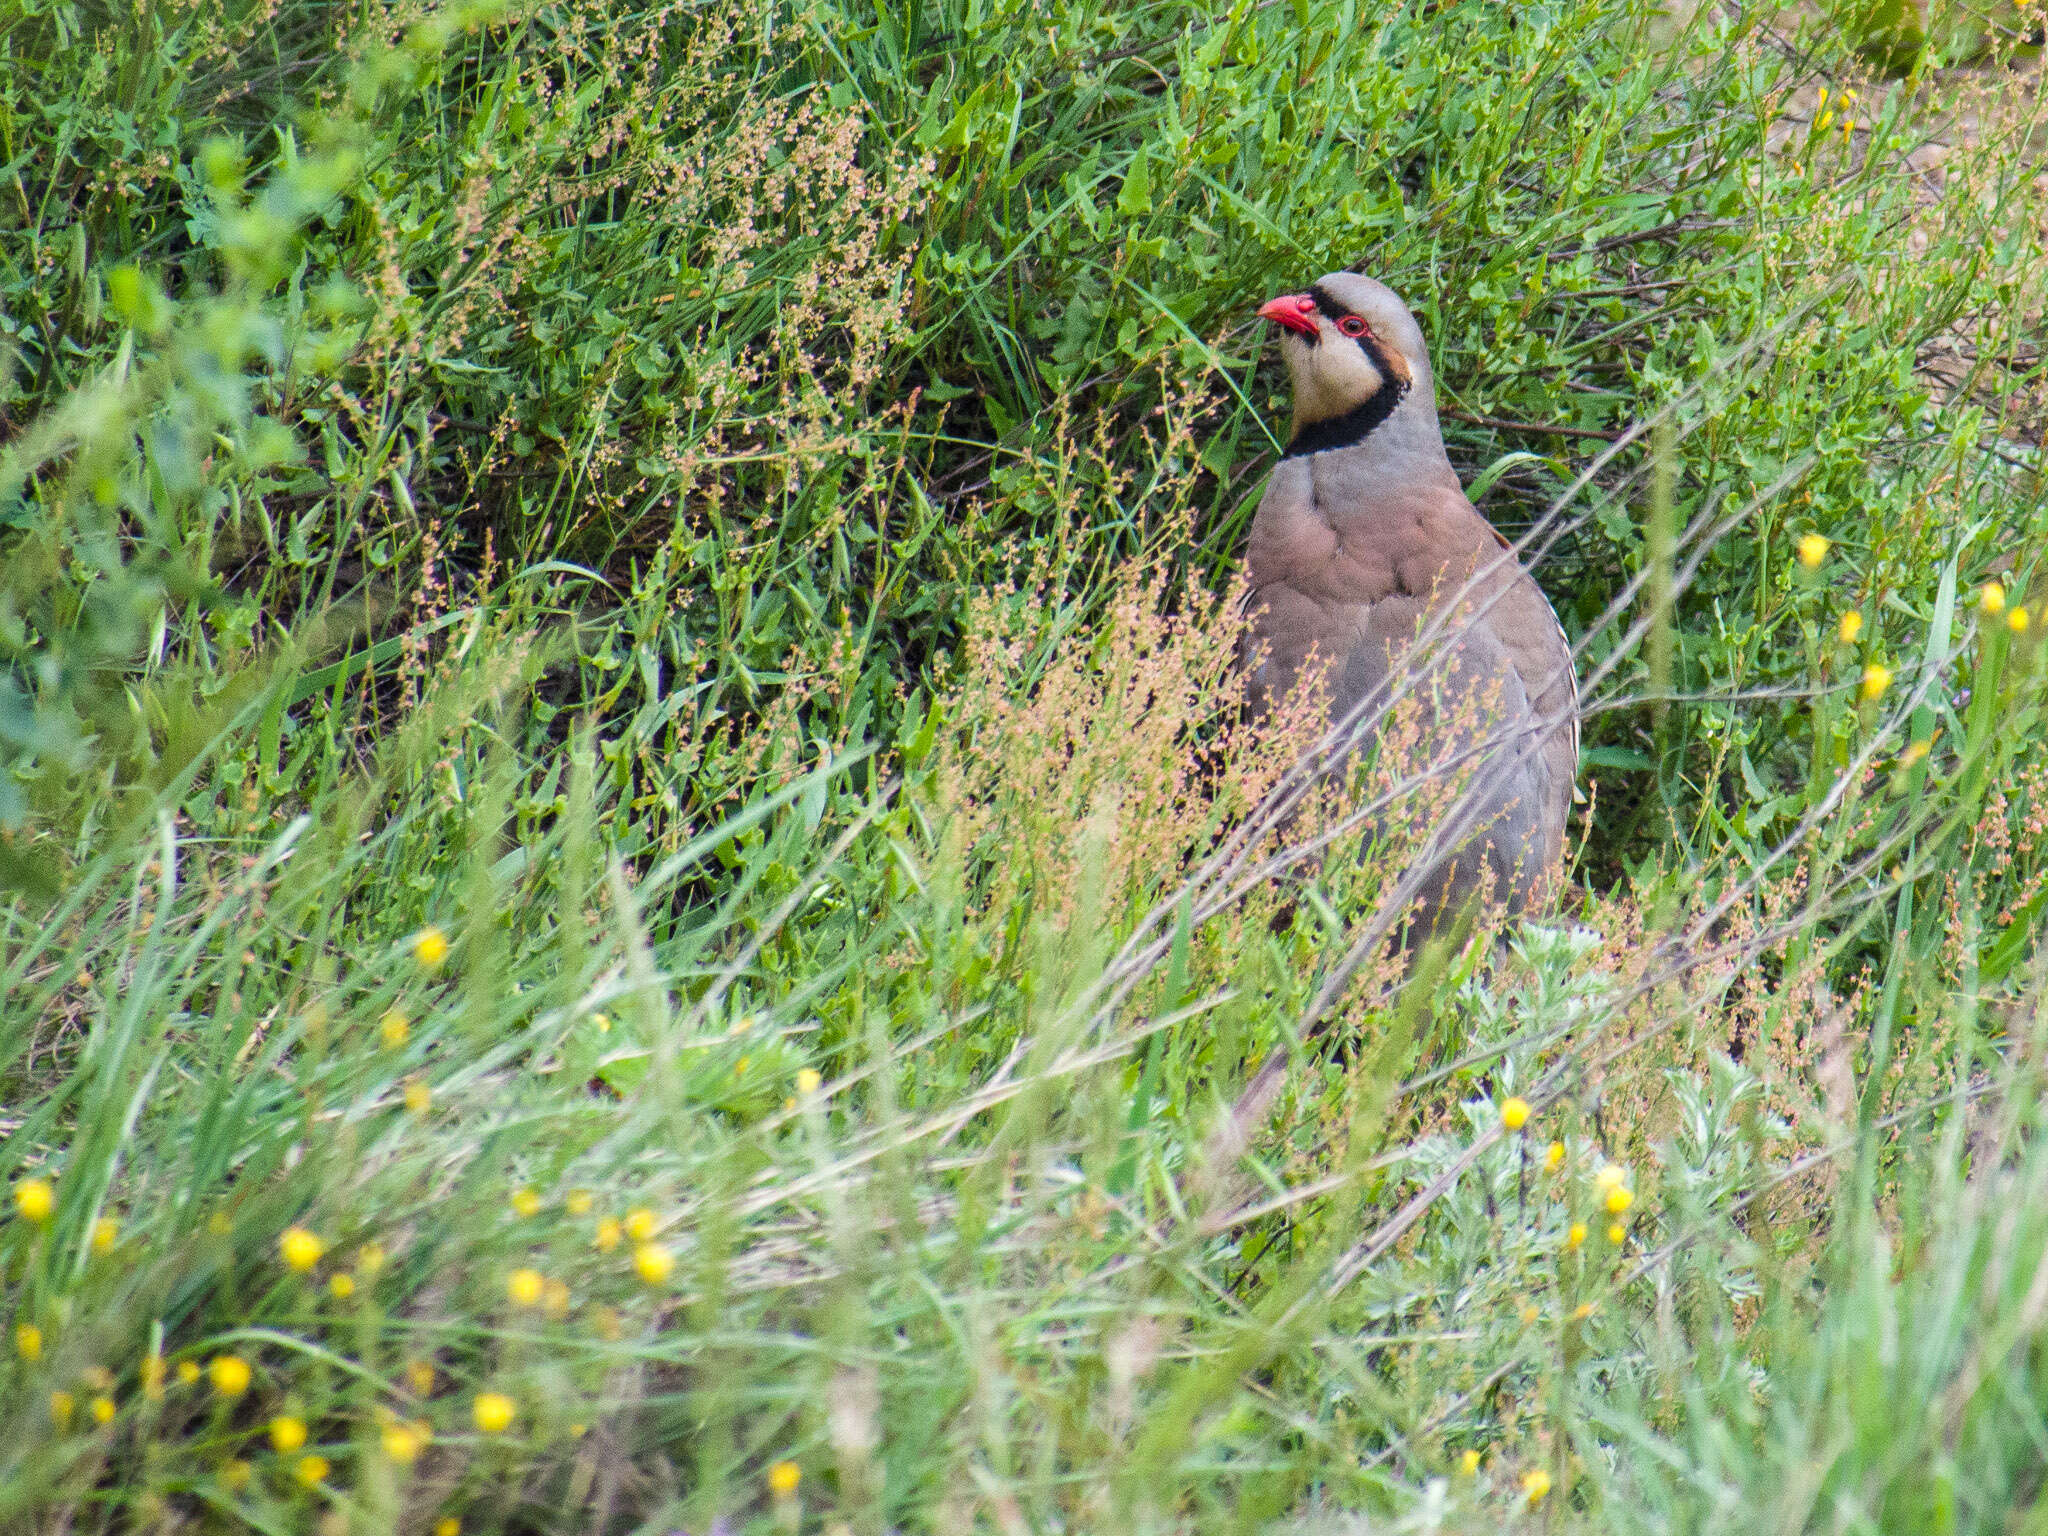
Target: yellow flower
[(524, 1286), (652, 1262), (103, 1410), (448, 1525), (28, 1341), (1576, 1235), (220, 1224), (235, 1475), (556, 1298), (526, 1202), (739, 1068), (311, 1470), (1469, 1463), (1582, 1311), (1610, 1176), (607, 1235), (1915, 753), (808, 1081), (1515, 1114), (1617, 1234), (1812, 550), (419, 1375), (188, 1371), (402, 1444), (395, 1030), (604, 1025), (1530, 1314), (342, 1286), (301, 1249), (62, 1406), (287, 1434), (419, 1098), (1554, 1158), (370, 1258), (1619, 1199), (34, 1200), (430, 947), (1875, 680), (229, 1375), (1535, 1484), (1991, 598), (2016, 621), (783, 1478), (1824, 122), (494, 1412), (640, 1223), (152, 1375), (577, 1202), (105, 1233), (1852, 626)]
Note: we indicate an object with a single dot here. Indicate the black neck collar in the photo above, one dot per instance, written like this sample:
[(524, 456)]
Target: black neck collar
[(1354, 426)]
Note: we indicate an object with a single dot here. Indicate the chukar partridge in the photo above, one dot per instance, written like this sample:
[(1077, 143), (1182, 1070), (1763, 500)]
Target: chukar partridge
[(1366, 541)]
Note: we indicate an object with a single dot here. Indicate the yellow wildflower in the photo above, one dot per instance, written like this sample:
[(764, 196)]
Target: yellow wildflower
[(62, 1406), (1554, 1158), (1991, 598), (370, 1258), (395, 1029), (1812, 550), (34, 1200), (287, 1434), (641, 1223), (188, 1371), (526, 1202), (1619, 1199), (402, 1443), (577, 1202), (2016, 621), (494, 1412), (652, 1262), (235, 1475), (301, 1249), (808, 1081), (342, 1286), (1515, 1114), (430, 948), (556, 1298), (1875, 680), (1576, 1235), (103, 1410), (1617, 1234), (524, 1286), (419, 1098), (419, 1375), (1609, 1176), (105, 1233), (783, 1478), (28, 1341), (448, 1525), (607, 1235), (311, 1470), (1469, 1463), (1535, 1484), (1852, 626), (229, 1375)]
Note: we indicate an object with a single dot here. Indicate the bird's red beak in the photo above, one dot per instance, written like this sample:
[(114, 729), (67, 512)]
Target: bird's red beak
[(1296, 311)]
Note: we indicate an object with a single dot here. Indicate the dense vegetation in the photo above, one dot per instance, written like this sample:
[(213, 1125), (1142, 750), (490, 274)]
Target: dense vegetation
[(635, 894)]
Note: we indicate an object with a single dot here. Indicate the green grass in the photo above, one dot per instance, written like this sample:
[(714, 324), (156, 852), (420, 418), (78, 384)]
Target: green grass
[(726, 522)]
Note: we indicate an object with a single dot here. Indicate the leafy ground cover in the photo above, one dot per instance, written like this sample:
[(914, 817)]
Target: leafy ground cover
[(636, 898)]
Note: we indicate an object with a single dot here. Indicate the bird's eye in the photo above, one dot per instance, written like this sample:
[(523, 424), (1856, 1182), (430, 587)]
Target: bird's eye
[(1351, 325)]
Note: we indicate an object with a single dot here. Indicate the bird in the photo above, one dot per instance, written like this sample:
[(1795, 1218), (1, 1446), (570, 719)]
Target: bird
[(1365, 544)]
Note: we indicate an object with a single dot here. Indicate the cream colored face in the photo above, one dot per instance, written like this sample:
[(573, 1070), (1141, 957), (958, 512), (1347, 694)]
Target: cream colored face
[(1332, 373)]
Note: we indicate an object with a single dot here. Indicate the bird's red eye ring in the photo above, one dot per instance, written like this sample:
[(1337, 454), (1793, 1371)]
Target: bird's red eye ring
[(1306, 304), (1351, 325)]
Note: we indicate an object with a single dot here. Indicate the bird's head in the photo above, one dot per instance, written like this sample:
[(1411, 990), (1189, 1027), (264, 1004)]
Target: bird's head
[(1354, 351)]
